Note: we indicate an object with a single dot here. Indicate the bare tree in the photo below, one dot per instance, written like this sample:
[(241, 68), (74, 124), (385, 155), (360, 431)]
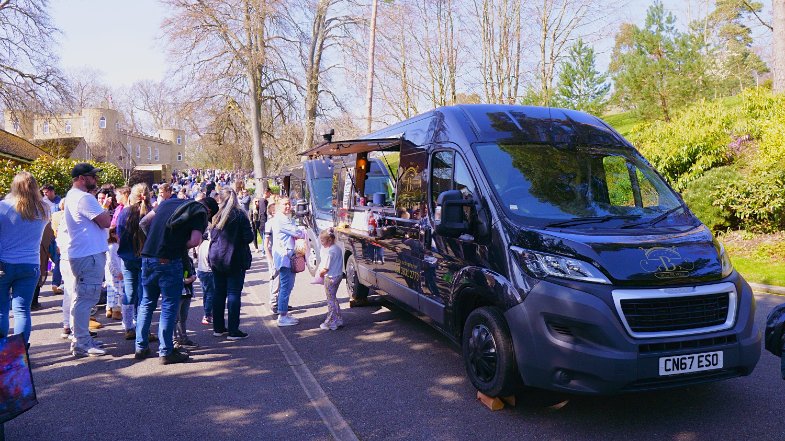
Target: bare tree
[(87, 88), (29, 76), (234, 47), (499, 24), (326, 26), (439, 50)]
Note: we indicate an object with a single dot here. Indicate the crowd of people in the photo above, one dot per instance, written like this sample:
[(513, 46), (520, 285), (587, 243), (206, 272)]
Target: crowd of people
[(141, 243)]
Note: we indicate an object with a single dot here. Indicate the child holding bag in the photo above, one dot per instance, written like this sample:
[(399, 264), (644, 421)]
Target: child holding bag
[(331, 269)]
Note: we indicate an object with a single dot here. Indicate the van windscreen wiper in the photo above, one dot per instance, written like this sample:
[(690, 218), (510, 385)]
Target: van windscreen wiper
[(654, 220), (591, 220)]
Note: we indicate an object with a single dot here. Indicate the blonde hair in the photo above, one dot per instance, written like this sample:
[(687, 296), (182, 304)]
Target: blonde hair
[(226, 207), (140, 194), (26, 197), (139, 206), (328, 234)]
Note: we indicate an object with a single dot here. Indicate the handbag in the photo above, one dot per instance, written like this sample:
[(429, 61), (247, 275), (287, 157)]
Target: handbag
[(297, 263)]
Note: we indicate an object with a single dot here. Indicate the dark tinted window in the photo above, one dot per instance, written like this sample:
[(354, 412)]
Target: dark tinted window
[(441, 173)]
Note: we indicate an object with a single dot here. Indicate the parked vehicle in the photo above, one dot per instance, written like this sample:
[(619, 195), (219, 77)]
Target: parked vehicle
[(550, 249), (315, 184)]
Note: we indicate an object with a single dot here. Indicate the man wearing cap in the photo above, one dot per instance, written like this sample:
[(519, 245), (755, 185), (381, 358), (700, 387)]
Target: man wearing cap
[(86, 221)]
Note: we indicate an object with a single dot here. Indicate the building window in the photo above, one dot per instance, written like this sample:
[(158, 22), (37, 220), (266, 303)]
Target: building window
[(84, 124), (117, 124), (138, 151), (179, 156), (16, 126), (179, 140), (102, 122), (68, 127), (149, 153), (46, 127), (156, 154)]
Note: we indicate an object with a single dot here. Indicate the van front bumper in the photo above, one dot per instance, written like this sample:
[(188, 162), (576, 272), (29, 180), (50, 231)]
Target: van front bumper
[(572, 340)]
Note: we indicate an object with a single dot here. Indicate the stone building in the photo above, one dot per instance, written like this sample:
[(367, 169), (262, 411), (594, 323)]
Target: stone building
[(98, 134)]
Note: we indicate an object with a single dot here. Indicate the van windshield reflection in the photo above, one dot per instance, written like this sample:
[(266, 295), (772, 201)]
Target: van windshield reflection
[(579, 186)]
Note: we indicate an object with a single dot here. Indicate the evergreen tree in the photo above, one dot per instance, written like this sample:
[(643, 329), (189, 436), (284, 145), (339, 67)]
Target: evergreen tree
[(731, 37), (581, 86), (657, 69)]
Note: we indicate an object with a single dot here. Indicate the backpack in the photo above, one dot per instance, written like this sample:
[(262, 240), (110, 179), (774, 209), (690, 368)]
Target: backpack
[(219, 255), (775, 325)]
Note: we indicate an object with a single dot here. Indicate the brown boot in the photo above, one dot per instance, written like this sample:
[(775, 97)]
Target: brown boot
[(116, 313), (94, 324), (108, 312)]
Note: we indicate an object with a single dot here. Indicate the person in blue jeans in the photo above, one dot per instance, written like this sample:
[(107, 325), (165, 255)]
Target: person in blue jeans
[(284, 233), (229, 258), (173, 227), (23, 217), (131, 241), (203, 270)]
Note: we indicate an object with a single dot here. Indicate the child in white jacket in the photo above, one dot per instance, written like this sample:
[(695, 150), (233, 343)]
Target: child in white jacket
[(113, 273)]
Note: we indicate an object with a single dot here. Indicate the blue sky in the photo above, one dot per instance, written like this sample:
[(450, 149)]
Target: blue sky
[(122, 38)]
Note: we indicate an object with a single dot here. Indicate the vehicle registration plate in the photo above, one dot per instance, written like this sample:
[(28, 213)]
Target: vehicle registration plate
[(684, 364)]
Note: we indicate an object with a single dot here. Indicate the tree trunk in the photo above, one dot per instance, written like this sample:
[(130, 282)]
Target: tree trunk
[(371, 49), (314, 67), (256, 132), (778, 43)]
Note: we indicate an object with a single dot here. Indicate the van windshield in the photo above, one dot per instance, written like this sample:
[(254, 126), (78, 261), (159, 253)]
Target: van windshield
[(580, 186)]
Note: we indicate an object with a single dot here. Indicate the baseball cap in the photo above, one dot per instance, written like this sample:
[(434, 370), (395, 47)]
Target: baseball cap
[(84, 169)]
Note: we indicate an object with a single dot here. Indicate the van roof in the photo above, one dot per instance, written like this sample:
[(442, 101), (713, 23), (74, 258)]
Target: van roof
[(503, 123)]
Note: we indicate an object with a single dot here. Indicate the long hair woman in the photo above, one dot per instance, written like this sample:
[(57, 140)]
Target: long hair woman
[(23, 217), (230, 258), (131, 240)]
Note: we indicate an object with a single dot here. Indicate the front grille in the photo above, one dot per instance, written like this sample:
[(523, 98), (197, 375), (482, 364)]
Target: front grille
[(687, 344), (667, 314), (683, 380)]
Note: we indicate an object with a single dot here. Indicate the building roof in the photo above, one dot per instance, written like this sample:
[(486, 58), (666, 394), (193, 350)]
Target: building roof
[(18, 149), (60, 147)]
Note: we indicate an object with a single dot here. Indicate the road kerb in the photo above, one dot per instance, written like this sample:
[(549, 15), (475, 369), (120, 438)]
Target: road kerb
[(338, 427)]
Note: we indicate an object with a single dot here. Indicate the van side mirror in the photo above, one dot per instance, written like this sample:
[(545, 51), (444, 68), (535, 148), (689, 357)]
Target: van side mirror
[(301, 208), (449, 215)]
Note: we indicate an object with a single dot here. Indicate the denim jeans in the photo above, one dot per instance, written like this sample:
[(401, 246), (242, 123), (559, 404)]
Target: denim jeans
[(16, 290), (57, 277), (228, 288), (164, 280), (208, 290), (287, 284), (88, 275), (132, 281)]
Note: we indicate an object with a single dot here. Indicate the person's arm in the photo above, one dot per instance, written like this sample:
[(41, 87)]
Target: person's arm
[(195, 240), (104, 220), (144, 223), (246, 231), (90, 208)]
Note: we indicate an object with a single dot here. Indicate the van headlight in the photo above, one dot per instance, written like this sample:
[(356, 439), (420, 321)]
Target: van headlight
[(541, 265), (727, 267)]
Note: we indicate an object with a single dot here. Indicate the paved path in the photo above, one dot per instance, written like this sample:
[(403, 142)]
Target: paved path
[(386, 375)]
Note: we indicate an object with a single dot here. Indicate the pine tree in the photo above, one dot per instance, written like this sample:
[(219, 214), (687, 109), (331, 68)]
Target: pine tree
[(581, 86)]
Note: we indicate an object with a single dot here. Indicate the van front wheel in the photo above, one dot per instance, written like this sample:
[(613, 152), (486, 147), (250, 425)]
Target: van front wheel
[(358, 293), (488, 353)]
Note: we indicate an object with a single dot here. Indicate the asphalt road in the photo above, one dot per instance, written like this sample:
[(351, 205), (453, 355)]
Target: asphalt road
[(385, 376)]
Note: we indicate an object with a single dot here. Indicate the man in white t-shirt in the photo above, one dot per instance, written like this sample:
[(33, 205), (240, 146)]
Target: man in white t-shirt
[(86, 222)]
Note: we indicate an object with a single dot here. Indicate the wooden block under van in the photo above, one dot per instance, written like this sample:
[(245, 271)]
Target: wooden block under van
[(490, 402)]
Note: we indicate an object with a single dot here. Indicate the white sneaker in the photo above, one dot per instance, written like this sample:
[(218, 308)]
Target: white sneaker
[(325, 327), (286, 320), (90, 351)]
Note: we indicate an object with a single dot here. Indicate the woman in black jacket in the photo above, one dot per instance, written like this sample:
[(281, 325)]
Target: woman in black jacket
[(229, 258)]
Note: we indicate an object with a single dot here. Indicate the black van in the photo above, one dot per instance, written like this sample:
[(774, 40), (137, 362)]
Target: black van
[(551, 250)]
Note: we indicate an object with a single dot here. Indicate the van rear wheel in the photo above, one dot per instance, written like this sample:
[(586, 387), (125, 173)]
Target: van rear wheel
[(488, 353), (358, 293)]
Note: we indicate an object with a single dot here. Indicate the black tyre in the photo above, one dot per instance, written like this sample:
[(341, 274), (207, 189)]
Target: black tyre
[(488, 353), (358, 292)]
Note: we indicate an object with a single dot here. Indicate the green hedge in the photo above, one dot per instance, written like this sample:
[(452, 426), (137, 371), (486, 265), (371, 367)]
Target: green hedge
[(57, 172), (726, 156)]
